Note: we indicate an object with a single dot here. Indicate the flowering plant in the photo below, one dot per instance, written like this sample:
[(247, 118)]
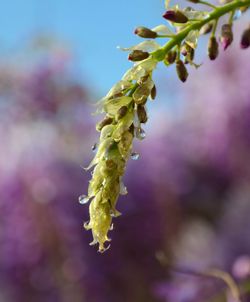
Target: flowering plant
[(125, 104)]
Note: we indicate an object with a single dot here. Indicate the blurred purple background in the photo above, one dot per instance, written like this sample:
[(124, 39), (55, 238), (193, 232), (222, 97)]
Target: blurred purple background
[(188, 205)]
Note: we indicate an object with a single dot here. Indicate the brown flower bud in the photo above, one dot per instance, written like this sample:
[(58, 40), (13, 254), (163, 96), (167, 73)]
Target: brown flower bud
[(145, 32), (122, 112), (153, 93), (188, 52), (213, 48), (170, 57), (143, 79), (116, 95), (245, 39), (106, 121), (142, 114), (181, 70), (206, 29), (138, 55), (132, 129), (175, 16), (226, 37)]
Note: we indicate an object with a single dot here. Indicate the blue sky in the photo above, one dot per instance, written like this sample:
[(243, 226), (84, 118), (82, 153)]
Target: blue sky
[(92, 28)]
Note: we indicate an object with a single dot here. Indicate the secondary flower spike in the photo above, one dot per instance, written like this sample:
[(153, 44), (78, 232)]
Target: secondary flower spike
[(175, 16)]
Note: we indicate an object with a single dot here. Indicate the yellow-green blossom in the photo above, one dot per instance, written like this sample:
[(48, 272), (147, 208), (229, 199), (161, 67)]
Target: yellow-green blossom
[(117, 131)]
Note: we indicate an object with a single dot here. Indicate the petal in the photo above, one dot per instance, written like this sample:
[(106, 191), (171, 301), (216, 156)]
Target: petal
[(192, 38), (162, 30), (106, 131), (113, 105), (123, 125), (104, 145), (118, 87), (194, 14), (148, 46), (140, 69), (166, 3), (125, 144)]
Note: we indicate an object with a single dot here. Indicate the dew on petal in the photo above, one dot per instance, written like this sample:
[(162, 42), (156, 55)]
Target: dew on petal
[(237, 14), (83, 199), (135, 155), (123, 189), (94, 148), (103, 249), (140, 133)]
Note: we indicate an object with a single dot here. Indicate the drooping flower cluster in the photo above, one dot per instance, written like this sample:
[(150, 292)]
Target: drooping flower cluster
[(125, 111), (124, 105)]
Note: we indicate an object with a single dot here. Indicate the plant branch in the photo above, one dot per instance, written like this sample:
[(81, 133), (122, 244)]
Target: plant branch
[(214, 15)]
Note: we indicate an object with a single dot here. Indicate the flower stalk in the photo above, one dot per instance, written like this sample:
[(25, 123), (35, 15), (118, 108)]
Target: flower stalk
[(125, 104)]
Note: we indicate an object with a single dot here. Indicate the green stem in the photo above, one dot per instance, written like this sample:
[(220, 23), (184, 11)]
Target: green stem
[(214, 15), (208, 4), (165, 36), (230, 21), (214, 28)]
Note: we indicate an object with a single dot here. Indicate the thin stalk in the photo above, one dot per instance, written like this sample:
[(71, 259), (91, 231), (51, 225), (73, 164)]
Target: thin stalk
[(207, 4)]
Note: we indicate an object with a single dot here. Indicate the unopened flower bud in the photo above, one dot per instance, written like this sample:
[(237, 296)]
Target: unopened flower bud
[(175, 16), (143, 79), (145, 32), (226, 37), (138, 55), (206, 29), (184, 51), (188, 52), (122, 112), (245, 39), (132, 129), (153, 93), (142, 114), (116, 95), (170, 57), (213, 48), (106, 121), (181, 70)]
